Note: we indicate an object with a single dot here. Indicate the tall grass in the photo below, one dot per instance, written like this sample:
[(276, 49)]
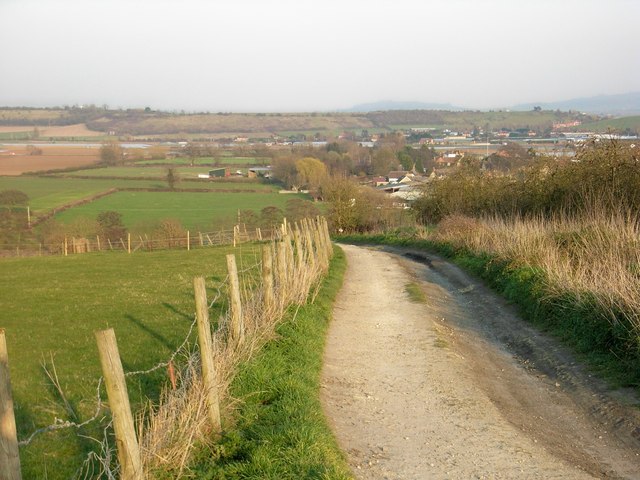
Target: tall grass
[(169, 432), (593, 258)]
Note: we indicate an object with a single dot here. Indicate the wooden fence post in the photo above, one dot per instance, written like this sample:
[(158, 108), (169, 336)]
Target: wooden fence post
[(9, 454), (236, 327), (66, 247), (98, 239), (188, 240), (201, 239), (206, 353), (128, 243), (259, 233), (128, 449), (267, 276), (308, 244), (291, 264)]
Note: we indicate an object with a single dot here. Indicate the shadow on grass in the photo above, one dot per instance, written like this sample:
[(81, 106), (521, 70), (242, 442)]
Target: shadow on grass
[(151, 332)]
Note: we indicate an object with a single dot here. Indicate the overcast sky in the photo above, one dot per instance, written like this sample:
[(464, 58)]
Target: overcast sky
[(299, 55)]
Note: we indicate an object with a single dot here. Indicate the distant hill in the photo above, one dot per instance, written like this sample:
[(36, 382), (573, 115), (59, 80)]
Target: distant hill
[(393, 105), (623, 104)]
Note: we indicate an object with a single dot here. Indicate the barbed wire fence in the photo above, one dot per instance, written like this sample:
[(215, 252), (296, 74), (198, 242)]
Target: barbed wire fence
[(133, 242), (286, 271)]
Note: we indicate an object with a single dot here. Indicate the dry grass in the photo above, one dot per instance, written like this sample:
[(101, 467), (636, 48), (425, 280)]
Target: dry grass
[(169, 431), (596, 254)]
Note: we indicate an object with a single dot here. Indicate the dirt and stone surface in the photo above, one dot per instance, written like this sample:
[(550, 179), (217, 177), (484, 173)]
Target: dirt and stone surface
[(459, 386)]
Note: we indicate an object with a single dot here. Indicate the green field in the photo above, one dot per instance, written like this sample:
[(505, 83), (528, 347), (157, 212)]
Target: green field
[(209, 161), (46, 193), (158, 172), (15, 135), (203, 211), (52, 306)]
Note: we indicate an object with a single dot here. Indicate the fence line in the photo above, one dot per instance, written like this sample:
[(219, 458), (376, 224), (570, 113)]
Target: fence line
[(286, 270), (75, 245)]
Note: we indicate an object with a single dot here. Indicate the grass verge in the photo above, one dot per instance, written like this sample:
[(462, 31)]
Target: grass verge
[(279, 430), (607, 345)]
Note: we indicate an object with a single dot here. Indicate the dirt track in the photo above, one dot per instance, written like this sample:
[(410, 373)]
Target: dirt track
[(460, 387)]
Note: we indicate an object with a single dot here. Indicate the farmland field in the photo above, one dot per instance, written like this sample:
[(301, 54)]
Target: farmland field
[(159, 172), (52, 306), (15, 159), (205, 211), (138, 172), (209, 161), (47, 193)]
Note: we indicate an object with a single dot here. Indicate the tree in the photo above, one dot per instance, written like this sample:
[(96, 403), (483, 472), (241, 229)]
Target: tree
[(271, 216), (13, 216), (297, 209), (405, 159), (10, 198), (284, 169), (110, 225), (311, 173), (111, 154), (193, 150), (172, 177), (384, 160)]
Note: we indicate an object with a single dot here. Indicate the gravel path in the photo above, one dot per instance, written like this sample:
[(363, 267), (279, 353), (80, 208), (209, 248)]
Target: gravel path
[(459, 386)]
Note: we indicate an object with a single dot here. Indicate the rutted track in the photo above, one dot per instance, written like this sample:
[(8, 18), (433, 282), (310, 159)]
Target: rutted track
[(460, 387)]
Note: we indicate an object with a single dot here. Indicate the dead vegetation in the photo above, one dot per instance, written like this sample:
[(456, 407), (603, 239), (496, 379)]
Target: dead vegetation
[(169, 431)]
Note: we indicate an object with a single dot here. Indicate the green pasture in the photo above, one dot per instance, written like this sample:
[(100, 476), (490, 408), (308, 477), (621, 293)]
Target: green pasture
[(213, 162), (46, 193), (16, 135), (51, 306), (195, 210), (158, 172)]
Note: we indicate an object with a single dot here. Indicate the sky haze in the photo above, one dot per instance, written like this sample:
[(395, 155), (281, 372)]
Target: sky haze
[(283, 55)]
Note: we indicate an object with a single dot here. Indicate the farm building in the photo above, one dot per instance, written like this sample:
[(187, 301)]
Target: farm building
[(255, 172), (218, 172)]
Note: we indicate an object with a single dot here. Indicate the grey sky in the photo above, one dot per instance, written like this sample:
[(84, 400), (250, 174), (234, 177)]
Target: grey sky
[(299, 55)]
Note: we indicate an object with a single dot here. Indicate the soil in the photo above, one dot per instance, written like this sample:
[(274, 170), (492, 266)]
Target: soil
[(459, 386), (15, 159)]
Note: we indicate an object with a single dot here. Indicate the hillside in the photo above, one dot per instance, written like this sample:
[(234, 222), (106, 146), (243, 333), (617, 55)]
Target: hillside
[(623, 104), (148, 123)]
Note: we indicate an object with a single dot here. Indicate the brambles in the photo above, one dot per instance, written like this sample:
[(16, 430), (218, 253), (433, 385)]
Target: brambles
[(603, 175)]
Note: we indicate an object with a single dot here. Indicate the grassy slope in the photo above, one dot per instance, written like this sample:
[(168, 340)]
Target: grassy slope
[(280, 432), (194, 210), (577, 322), (614, 124), (54, 304), (47, 193)]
